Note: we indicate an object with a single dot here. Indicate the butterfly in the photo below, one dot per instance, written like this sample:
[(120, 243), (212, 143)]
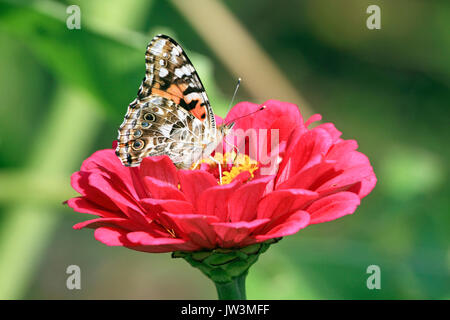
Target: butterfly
[(172, 114)]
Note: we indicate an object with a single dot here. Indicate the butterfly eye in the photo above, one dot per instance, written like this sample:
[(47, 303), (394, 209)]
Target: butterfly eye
[(138, 145), (137, 133), (149, 117)]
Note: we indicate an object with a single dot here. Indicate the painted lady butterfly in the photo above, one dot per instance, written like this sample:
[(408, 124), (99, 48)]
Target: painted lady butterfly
[(171, 114)]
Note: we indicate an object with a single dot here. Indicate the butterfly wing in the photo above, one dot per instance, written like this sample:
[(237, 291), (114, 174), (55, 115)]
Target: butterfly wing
[(170, 74), (157, 126), (171, 114)]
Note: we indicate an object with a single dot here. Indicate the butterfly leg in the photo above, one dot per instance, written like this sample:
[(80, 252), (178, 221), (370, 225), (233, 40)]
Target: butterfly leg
[(220, 167)]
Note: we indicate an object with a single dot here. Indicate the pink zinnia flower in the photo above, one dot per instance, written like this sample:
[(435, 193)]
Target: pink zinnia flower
[(315, 177)]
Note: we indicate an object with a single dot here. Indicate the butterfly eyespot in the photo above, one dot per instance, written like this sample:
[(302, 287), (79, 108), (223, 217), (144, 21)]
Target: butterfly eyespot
[(137, 133), (145, 124), (138, 145), (149, 117)]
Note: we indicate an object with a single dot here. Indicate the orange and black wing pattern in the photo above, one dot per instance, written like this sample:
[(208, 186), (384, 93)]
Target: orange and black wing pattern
[(170, 74)]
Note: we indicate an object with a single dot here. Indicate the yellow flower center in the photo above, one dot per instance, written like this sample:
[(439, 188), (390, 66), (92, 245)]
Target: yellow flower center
[(239, 163)]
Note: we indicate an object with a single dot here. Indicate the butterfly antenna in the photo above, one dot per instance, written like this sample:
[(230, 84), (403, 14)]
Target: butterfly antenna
[(246, 115), (234, 94)]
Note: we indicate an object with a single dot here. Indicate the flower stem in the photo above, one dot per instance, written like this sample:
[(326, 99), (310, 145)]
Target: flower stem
[(232, 290)]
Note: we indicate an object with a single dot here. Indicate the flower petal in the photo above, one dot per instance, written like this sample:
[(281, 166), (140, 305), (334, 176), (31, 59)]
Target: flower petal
[(331, 129), (306, 178), (265, 118), (304, 151), (161, 168), (107, 163), (121, 223), (214, 201), (293, 223), (355, 167), (244, 201), (83, 205), (112, 236), (315, 117), (333, 206), (171, 206), (235, 234), (102, 190), (281, 202), (143, 241), (162, 190), (259, 133), (194, 182), (197, 228)]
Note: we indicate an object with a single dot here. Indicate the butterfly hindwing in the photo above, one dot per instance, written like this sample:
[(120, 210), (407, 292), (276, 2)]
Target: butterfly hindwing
[(157, 126)]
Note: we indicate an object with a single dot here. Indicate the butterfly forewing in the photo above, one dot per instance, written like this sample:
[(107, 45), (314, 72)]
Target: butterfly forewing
[(170, 73)]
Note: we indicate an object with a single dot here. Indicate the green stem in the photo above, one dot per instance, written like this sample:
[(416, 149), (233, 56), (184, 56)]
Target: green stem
[(232, 290)]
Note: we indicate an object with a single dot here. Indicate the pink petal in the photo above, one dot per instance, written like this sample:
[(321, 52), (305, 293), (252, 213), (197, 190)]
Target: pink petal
[(263, 119), (112, 236), (121, 223), (194, 182), (306, 178), (83, 205), (161, 168), (214, 201), (243, 203), (144, 242), (107, 163), (355, 169), (102, 190), (197, 228), (162, 190), (349, 178), (333, 207), (304, 151), (312, 119), (104, 160), (247, 134), (234, 234), (342, 148), (281, 202), (331, 129), (294, 222), (172, 206), (145, 239)]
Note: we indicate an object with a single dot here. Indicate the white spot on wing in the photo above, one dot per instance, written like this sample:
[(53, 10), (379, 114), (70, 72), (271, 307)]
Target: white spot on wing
[(163, 72), (186, 70), (179, 73)]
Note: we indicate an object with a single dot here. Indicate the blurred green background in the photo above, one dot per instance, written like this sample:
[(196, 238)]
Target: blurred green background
[(64, 93)]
